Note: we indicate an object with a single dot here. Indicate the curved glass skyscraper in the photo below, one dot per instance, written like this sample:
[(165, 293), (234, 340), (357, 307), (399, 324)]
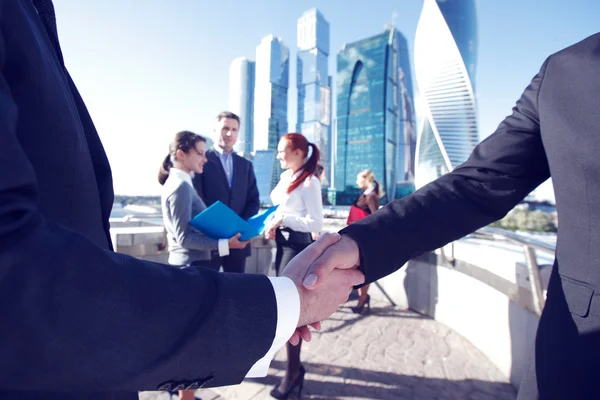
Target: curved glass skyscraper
[(445, 59), (374, 114)]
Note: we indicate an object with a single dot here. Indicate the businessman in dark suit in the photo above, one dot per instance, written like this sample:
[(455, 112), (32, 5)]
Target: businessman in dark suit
[(554, 130), (229, 178), (78, 321)]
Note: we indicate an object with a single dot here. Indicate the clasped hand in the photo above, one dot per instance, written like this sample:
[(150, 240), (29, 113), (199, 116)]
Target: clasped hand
[(272, 226), (324, 273)]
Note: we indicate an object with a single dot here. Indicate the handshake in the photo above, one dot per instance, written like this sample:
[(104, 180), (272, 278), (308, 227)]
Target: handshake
[(324, 273)]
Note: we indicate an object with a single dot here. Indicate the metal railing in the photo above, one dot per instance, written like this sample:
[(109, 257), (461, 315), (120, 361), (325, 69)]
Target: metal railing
[(530, 247), (142, 217)]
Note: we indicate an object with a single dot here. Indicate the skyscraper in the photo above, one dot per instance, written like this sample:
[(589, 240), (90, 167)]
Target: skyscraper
[(241, 101), (373, 75), (312, 79), (267, 173), (445, 60), (407, 142), (270, 93)]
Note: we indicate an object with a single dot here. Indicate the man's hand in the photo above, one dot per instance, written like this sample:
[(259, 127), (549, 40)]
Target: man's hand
[(334, 285), (342, 254)]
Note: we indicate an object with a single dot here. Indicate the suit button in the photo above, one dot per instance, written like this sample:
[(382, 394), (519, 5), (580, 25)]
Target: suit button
[(168, 386)]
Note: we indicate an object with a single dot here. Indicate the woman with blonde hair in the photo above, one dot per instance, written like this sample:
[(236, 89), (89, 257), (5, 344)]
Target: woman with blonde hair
[(365, 204)]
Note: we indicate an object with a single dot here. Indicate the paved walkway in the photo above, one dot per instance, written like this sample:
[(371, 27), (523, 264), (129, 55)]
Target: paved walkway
[(387, 354)]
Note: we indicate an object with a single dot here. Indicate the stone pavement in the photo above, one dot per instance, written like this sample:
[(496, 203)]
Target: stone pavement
[(387, 354)]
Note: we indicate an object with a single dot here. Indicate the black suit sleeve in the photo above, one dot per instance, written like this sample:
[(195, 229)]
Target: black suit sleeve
[(500, 172), (252, 201), (76, 317)]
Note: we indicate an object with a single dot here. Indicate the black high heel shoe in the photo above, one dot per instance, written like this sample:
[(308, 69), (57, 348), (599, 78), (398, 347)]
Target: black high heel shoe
[(359, 309), (298, 382)]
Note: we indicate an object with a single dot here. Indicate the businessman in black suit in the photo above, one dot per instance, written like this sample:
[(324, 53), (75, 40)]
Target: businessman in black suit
[(78, 321), (554, 130), (229, 178)]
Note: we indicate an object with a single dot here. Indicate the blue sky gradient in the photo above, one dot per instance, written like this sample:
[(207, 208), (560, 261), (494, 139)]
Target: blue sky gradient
[(149, 69)]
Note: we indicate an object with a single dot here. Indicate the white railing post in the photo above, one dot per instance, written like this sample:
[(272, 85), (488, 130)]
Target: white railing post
[(535, 281)]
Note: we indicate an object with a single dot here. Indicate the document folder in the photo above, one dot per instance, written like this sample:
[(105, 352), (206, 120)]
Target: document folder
[(220, 222)]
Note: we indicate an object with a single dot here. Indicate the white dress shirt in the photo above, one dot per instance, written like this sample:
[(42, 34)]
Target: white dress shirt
[(226, 162), (302, 209)]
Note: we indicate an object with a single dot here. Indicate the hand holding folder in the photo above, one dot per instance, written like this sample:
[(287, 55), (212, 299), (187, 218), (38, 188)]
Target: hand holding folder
[(220, 222)]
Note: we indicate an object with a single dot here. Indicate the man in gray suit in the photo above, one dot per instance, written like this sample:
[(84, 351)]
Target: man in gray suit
[(79, 321)]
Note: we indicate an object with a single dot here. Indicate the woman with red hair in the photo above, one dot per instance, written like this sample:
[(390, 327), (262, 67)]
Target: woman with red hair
[(300, 212)]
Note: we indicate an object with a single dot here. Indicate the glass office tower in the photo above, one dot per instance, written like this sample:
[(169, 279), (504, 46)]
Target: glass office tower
[(241, 101), (373, 75), (267, 171), (270, 93), (312, 79)]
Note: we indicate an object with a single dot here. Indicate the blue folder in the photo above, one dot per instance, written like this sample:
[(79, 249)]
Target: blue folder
[(220, 222)]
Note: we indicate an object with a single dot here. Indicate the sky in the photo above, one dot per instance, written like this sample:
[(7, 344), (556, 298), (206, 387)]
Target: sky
[(148, 69)]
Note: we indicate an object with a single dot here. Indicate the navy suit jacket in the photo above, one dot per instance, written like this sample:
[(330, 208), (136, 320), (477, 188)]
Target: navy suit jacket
[(79, 321), (554, 130), (242, 197)]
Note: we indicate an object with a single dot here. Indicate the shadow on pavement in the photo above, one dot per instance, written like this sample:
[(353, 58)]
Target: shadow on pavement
[(357, 383)]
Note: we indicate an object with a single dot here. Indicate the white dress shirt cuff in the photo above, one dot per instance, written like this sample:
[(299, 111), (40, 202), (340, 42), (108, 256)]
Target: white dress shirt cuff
[(223, 247), (288, 314)]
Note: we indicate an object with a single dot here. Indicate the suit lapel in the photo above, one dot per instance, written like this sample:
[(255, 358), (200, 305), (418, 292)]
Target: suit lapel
[(237, 178)]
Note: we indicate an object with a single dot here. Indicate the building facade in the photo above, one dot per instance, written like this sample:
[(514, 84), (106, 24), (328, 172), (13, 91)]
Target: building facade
[(312, 80), (271, 93), (241, 101), (267, 171), (405, 178), (373, 75), (445, 64)]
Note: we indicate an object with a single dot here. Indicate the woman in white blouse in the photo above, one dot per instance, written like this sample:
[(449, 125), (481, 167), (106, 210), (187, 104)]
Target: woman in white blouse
[(300, 212)]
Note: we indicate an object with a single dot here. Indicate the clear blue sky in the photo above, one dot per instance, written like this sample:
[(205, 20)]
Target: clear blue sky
[(148, 69)]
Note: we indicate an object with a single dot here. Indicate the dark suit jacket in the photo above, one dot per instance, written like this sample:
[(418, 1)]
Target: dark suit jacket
[(554, 130), (242, 197), (76, 317)]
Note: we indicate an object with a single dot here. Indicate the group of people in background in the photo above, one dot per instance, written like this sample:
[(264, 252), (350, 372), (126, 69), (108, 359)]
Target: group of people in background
[(194, 177)]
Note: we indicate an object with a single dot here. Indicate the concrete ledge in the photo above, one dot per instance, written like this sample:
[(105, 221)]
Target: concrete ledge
[(143, 241)]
